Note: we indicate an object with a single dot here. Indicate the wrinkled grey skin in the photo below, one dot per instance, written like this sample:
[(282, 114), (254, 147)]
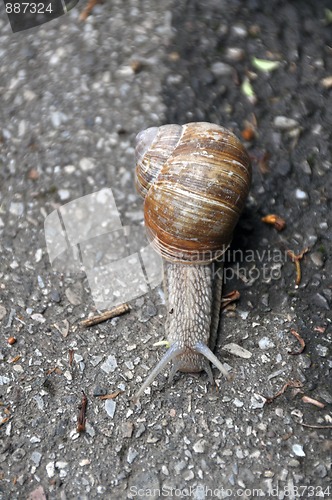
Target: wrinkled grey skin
[(193, 300)]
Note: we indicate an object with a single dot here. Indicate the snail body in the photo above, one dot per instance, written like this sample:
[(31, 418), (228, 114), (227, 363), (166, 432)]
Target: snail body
[(194, 180)]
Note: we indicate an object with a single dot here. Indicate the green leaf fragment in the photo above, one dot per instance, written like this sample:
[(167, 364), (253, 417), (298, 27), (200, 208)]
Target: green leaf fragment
[(247, 88), (265, 65), (328, 16), (161, 343)]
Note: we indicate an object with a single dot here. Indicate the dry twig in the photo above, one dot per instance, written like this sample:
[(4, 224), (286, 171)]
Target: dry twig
[(113, 395), (315, 426), (116, 311), (87, 10), (4, 421), (300, 339), (70, 356), (307, 399), (82, 414), (296, 259), (229, 298), (290, 383)]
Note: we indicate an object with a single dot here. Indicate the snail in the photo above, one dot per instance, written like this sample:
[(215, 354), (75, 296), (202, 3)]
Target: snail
[(194, 179)]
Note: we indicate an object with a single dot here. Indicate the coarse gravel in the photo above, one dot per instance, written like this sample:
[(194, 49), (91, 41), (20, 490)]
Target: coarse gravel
[(73, 97)]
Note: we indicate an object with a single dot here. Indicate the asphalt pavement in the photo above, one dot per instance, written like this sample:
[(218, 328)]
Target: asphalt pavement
[(74, 94)]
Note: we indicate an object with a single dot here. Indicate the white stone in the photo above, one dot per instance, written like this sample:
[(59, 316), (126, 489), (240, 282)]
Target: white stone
[(50, 469), (87, 164), (109, 365), (237, 350), (301, 195), (199, 446), (265, 343), (298, 450), (36, 457), (110, 406)]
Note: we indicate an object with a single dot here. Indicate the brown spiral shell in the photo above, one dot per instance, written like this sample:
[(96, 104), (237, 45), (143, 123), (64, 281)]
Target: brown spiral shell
[(194, 179)]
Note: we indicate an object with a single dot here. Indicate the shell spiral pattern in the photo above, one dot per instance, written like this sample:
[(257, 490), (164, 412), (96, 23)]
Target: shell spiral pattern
[(194, 179)]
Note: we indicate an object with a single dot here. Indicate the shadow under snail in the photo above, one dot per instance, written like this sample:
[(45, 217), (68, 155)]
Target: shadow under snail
[(194, 179)]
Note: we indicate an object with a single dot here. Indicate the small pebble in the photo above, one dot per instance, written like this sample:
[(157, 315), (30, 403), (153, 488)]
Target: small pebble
[(238, 403), (234, 54), (322, 350), (38, 317), (293, 462), (40, 282), (37, 494), (257, 401), (317, 258), (320, 471), (85, 461), (179, 466), (95, 360), (243, 314), (221, 69), (284, 123), (87, 164), (140, 430), (199, 446), (50, 469), (165, 470), (301, 195), (99, 391), (127, 429), (239, 31), (57, 118), (188, 475), (109, 365), (3, 312), (320, 301), (298, 450), (132, 454), (64, 194), (110, 406), (55, 296), (265, 343), (148, 311), (74, 294), (90, 430), (237, 350), (38, 255), (39, 400), (11, 340), (16, 209), (35, 439)]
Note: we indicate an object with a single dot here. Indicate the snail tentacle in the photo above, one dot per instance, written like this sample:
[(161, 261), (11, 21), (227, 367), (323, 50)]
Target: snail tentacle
[(203, 349), (170, 354)]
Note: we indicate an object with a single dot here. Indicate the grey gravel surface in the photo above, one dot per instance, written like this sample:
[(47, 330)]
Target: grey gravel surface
[(73, 96)]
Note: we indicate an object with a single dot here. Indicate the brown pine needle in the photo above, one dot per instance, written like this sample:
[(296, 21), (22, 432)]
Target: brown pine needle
[(116, 311)]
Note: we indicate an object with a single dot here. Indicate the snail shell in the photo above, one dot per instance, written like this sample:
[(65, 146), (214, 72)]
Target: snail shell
[(194, 179)]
